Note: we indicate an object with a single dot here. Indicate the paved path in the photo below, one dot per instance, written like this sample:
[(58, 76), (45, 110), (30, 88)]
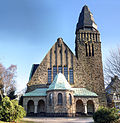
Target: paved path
[(59, 120)]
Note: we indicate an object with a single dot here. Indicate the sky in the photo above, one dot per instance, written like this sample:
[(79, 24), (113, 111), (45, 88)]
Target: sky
[(29, 28)]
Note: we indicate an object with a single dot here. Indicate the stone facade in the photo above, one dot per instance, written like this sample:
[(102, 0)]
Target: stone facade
[(82, 70), (65, 109)]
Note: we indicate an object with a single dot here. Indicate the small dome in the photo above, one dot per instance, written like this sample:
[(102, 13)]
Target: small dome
[(59, 83)]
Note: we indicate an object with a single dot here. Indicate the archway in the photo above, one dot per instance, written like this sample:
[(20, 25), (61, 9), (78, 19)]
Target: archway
[(79, 107), (41, 107), (90, 107), (30, 107)]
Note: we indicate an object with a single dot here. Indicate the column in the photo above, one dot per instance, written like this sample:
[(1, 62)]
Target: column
[(35, 108), (85, 105), (88, 36), (91, 36), (80, 36), (25, 107), (25, 101)]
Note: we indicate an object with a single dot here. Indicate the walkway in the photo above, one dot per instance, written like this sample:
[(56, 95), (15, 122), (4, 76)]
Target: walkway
[(59, 120)]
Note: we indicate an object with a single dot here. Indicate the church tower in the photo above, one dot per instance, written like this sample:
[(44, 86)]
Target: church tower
[(88, 53)]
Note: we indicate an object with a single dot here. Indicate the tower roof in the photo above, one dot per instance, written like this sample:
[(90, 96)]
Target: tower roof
[(59, 83), (86, 20)]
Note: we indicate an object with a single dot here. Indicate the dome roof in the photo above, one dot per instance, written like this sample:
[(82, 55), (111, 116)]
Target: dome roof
[(59, 83)]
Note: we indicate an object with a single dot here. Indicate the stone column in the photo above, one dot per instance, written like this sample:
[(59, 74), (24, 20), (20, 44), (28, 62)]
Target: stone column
[(80, 36), (25, 107), (85, 105), (35, 108), (25, 104)]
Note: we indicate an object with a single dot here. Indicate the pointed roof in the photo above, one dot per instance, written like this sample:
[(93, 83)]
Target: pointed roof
[(59, 83), (86, 20)]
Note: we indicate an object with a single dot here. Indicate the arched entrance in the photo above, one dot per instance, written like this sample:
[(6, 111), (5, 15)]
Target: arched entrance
[(79, 108), (41, 108), (30, 107), (90, 107)]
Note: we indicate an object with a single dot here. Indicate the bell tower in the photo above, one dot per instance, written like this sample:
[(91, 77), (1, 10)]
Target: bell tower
[(88, 53)]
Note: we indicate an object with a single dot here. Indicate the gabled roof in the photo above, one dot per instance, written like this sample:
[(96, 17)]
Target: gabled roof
[(33, 69), (59, 83)]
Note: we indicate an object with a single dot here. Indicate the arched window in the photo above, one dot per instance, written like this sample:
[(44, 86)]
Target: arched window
[(50, 99), (70, 99), (60, 100)]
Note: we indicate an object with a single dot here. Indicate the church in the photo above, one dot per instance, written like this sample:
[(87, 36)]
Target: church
[(67, 84)]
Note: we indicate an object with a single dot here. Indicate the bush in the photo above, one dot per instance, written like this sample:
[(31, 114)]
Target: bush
[(10, 110), (106, 115)]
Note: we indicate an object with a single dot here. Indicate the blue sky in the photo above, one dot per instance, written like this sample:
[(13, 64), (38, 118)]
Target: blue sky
[(29, 28)]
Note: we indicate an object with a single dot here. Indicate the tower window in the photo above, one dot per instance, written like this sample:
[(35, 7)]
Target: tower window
[(49, 76), (71, 76), (60, 69), (50, 99), (96, 37), (86, 49), (54, 71), (93, 36), (66, 72), (89, 51), (92, 50), (70, 99), (60, 99)]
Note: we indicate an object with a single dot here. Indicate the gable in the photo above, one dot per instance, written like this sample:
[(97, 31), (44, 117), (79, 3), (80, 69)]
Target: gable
[(58, 57)]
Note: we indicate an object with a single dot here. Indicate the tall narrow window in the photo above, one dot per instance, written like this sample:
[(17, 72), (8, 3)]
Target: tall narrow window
[(60, 99), (93, 36), (86, 49), (71, 76), (49, 76), (50, 99), (54, 72), (70, 99), (66, 72), (96, 37), (92, 50), (89, 50), (60, 69)]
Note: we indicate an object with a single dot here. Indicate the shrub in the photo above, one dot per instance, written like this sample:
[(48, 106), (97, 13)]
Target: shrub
[(10, 110), (106, 115)]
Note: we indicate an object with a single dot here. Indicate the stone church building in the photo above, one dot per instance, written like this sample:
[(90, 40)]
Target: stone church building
[(64, 84)]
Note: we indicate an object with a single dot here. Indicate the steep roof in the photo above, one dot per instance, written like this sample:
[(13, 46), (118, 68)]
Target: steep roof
[(59, 83), (86, 20), (33, 69)]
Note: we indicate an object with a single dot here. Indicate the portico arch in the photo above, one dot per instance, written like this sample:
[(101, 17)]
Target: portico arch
[(41, 106), (30, 106), (79, 107), (90, 107)]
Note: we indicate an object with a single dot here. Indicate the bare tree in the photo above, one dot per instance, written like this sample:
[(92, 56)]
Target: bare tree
[(7, 79), (112, 68)]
